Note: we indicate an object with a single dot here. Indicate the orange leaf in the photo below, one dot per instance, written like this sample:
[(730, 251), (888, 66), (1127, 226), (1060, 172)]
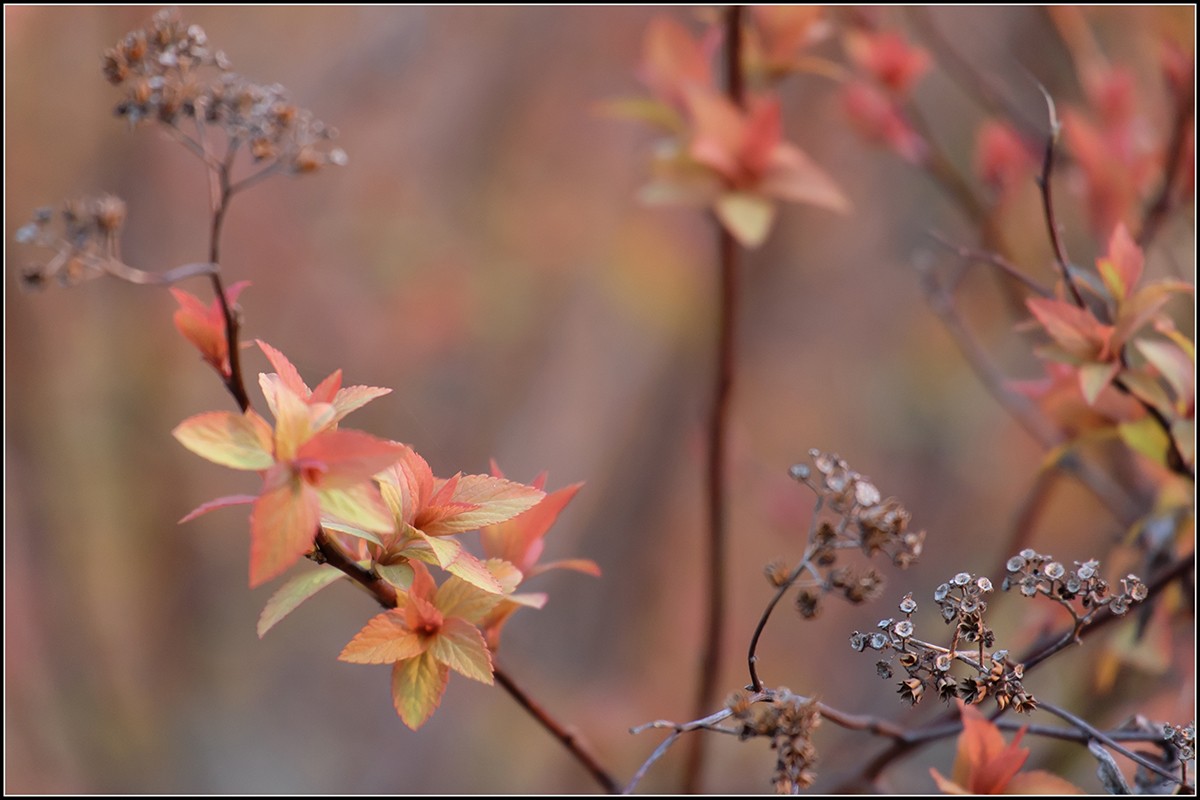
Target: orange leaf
[(385, 639), (204, 325)]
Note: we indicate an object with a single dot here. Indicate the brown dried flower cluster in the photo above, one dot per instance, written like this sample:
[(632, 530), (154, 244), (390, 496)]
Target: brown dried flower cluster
[(789, 721), (1033, 573), (170, 75), (927, 665), (85, 241), (850, 514), (867, 521)]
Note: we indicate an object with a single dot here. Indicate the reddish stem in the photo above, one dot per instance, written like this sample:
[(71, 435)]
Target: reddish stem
[(556, 729), (718, 436)]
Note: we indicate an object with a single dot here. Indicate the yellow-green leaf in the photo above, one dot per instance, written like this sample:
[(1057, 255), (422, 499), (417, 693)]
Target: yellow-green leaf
[(460, 646), (475, 572), (293, 593), (1147, 437), (1094, 377), (458, 598), (360, 505), (748, 217), (417, 688), (350, 530), (240, 441), (399, 575)]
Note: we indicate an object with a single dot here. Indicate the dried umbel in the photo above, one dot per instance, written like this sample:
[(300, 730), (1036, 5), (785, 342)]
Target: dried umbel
[(1033, 573), (850, 514), (789, 721), (928, 666), (867, 521), (170, 76), (84, 235)]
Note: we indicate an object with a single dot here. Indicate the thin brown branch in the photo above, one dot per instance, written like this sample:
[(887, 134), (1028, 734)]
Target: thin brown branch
[(122, 271), (729, 254), (1164, 201), (996, 260), (1049, 645), (331, 553), (680, 728), (756, 683), (234, 382), (1107, 740), (566, 737), (963, 71), (862, 722), (1044, 183)]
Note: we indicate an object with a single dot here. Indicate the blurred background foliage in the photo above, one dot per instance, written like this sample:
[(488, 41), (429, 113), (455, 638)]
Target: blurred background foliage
[(483, 254)]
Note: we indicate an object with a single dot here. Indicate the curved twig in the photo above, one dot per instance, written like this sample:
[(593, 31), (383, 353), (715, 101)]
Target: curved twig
[(1060, 251)]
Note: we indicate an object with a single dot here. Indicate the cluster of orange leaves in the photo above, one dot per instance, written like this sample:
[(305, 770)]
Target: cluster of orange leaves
[(728, 156), (1121, 335), (379, 501)]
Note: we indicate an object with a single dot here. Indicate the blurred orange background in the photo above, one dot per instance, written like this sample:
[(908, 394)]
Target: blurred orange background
[(483, 254)]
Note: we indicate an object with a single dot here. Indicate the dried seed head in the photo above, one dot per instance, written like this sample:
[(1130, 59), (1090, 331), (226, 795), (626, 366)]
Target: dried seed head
[(776, 573), (808, 603)]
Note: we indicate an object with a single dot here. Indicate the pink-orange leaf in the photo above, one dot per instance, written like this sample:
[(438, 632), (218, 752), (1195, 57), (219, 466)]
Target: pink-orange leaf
[(350, 455), (672, 60), (1121, 268), (417, 688), (283, 525), (888, 58), (1074, 329), (220, 502), (477, 500), (328, 391)]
